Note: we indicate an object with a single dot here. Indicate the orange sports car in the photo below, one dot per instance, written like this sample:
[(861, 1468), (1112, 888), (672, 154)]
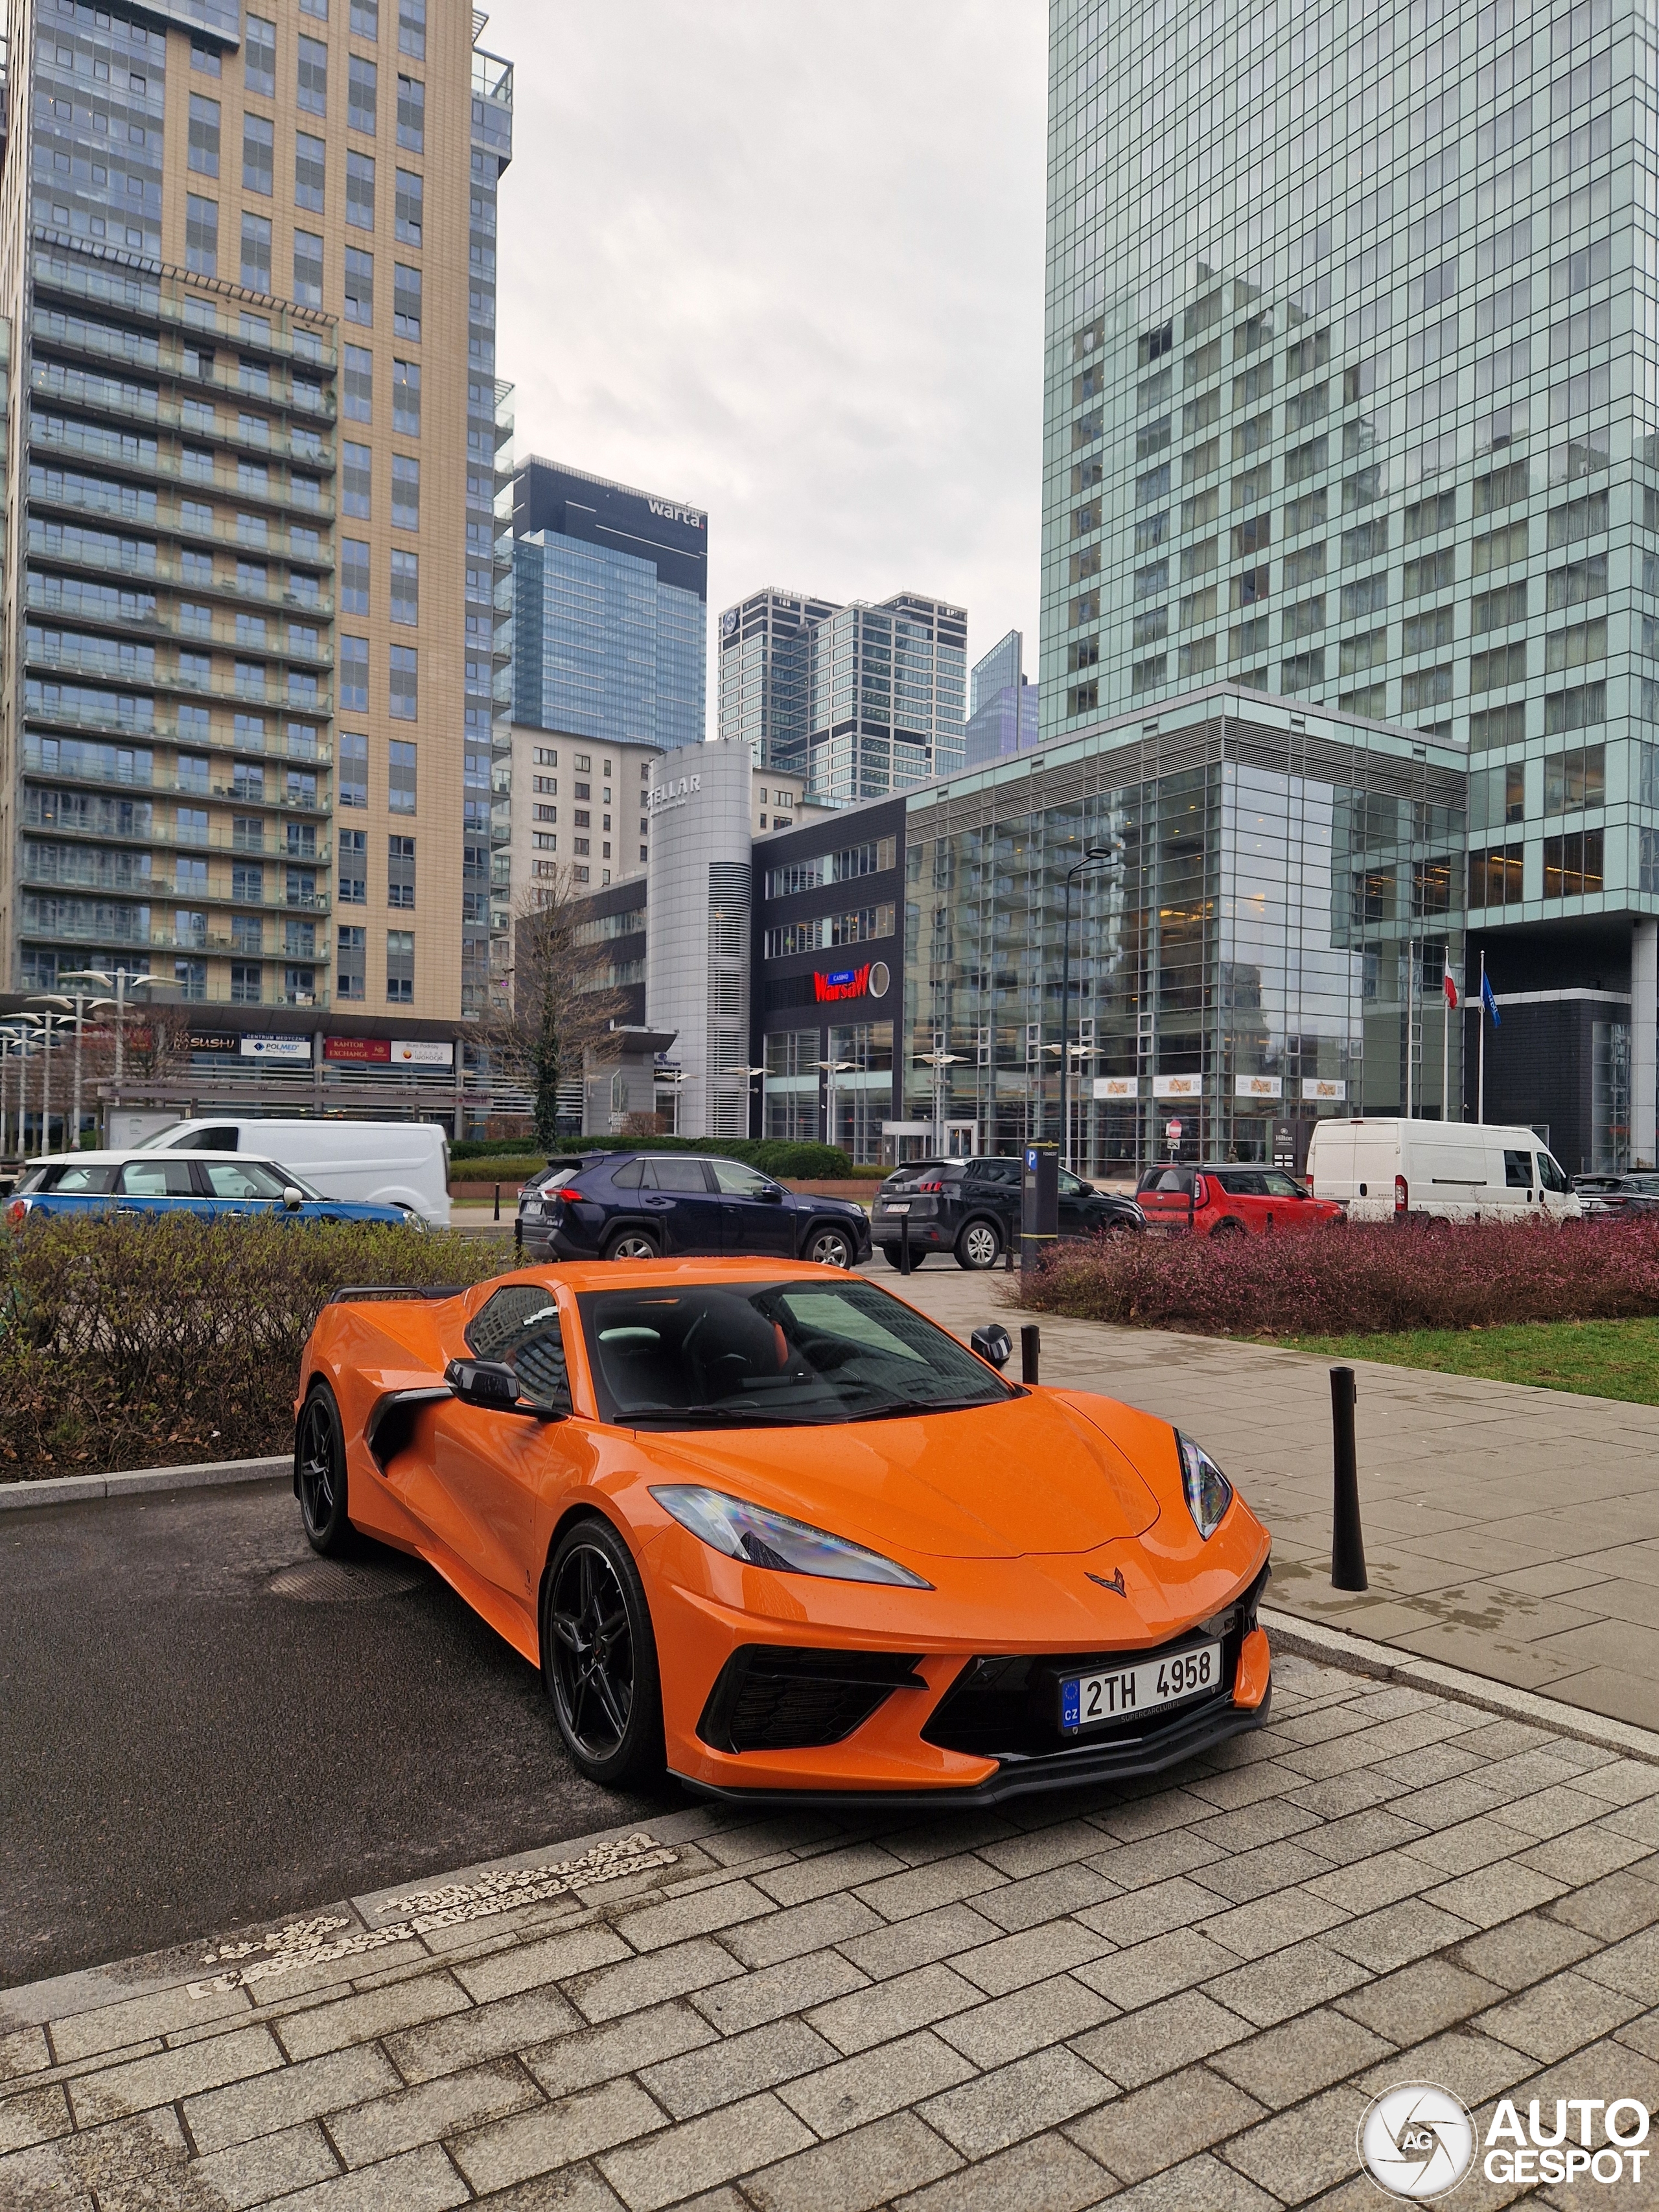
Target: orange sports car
[(768, 1526)]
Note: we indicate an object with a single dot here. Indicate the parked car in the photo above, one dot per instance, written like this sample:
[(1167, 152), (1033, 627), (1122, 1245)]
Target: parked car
[(404, 1164), (1390, 1168), (214, 1185), (1616, 1197), (972, 1207), (650, 1206), (1229, 1199)]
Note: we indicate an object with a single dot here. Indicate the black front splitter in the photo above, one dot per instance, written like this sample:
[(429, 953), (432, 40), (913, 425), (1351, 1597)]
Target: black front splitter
[(1020, 1776)]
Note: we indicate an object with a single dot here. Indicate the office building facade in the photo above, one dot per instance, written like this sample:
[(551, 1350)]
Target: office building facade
[(1002, 706), (1352, 397), (581, 811), (859, 700), (241, 482), (611, 603)]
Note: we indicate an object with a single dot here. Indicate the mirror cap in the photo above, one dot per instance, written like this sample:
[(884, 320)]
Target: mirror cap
[(483, 1382), (992, 1342)]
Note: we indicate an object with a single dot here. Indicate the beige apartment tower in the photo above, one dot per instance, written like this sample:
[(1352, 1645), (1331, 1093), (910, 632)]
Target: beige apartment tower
[(249, 736)]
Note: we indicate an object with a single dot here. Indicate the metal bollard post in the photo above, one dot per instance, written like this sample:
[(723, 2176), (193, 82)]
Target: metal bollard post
[(518, 1234), (1008, 1252), (904, 1244), (1030, 1352), (1347, 1544), (498, 1201)]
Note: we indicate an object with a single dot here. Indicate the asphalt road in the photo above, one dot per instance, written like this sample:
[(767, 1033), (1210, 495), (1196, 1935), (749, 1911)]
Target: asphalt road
[(182, 1749)]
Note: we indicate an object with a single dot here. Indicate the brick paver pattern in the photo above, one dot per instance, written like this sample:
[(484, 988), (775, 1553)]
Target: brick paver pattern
[(1181, 1994)]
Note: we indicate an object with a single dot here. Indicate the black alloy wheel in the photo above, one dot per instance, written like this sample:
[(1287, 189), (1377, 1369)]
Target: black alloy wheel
[(979, 1246), (319, 1472), (829, 1248), (599, 1656), (630, 1244), (1227, 1227)]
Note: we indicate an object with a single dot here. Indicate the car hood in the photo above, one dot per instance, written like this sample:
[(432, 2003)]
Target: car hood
[(1031, 1475)]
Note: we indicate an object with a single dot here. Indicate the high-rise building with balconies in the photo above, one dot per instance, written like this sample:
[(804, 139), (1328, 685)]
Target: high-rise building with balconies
[(248, 262)]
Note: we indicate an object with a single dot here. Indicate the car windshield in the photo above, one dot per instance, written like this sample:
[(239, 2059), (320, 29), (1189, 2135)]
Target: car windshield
[(245, 1178), (784, 1354)]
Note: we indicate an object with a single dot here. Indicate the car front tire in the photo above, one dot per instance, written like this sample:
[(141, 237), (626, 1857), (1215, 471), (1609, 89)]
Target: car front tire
[(979, 1247), (630, 1244), (599, 1657), (319, 1474), (829, 1248)]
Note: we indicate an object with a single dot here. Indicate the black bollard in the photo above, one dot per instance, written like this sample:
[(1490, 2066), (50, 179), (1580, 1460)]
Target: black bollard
[(1030, 1350), (498, 1201), (904, 1244), (1347, 1545), (518, 1234)]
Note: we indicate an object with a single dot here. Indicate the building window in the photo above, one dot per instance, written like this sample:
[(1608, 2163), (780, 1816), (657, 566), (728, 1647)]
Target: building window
[(358, 380), (256, 253), (1572, 864), (406, 398), (354, 675), (204, 154), (356, 479), (1575, 779), (260, 55), (362, 79), (410, 211), (317, 8), (246, 983), (351, 961), (308, 157), (400, 871), (400, 967), (202, 235), (412, 115), (404, 702), (307, 268), (312, 79), (354, 770), (406, 301), (405, 492), (353, 867), (360, 190), (359, 285), (406, 589), (353, 575), (1495, 877), (366, 19), (258, 154), (412, 28), (400, 777)]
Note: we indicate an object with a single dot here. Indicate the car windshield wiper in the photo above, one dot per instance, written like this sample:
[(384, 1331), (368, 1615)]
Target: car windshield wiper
[(756, 1416), (902, 1408)]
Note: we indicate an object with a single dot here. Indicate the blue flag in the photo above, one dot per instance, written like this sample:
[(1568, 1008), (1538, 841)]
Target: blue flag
[(1489, 1002)]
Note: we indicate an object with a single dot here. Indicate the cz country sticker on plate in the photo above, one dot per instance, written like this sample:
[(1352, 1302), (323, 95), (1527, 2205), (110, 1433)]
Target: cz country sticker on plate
[(1085, 1700)]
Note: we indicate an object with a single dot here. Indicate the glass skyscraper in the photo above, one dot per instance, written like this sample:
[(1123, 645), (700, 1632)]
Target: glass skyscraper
[(611, 593), (1352, 391), (1002, 706)]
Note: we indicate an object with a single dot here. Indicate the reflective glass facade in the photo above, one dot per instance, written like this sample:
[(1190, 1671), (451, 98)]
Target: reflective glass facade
[(1002, 706)]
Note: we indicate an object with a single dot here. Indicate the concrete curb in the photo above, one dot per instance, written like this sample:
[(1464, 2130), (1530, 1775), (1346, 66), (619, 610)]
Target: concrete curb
[(1338, 1647), (80, 1489)]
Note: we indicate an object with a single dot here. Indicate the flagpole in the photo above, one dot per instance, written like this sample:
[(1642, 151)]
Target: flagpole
[(1481, 1079), (1411, 968), (1445, 1053)]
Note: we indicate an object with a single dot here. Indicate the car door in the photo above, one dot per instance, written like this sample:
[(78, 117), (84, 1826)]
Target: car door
[(238, 1187), (1285, 1204), (1074, 1194), (678, 1197), (490, 1469), (755, 1215), (160, 1185)]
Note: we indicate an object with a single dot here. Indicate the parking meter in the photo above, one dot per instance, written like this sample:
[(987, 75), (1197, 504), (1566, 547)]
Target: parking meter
[(1039, 1202)]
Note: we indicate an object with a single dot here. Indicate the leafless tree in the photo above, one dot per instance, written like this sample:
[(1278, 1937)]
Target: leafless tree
[(560, 1000)]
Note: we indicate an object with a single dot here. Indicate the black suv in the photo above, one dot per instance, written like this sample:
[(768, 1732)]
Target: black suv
[(971, 1207), (649, 1205)]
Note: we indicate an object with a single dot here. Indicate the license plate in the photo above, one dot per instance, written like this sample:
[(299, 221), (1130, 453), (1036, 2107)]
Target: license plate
[(1125, 1692), (889, 1207)]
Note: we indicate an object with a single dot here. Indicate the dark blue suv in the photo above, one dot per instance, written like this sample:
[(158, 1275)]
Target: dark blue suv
[(648, 1205)]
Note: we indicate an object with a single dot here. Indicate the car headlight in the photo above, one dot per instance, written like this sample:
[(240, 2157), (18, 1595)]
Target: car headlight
[(1209, 1493), (761, 1538)]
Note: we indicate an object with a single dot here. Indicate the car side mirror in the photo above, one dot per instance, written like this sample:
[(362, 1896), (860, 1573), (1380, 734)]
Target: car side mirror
[(994, 1343), (293, 1200), (492, 1387), (772, 1195)]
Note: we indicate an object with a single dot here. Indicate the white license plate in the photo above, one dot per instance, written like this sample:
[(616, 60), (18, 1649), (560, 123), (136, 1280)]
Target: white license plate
[(1086, 1700), (889, 1207)]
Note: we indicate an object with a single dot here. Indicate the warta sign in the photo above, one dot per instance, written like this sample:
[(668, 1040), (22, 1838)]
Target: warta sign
[(869, 981)]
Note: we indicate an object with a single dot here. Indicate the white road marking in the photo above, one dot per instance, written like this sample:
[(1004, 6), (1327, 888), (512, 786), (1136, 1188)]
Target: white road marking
[(306, 1943)]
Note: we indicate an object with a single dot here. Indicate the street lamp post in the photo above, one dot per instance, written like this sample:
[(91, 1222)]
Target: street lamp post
[(125, 982), (46, 1024), (832, 1068), (1090, 859), (748, 1075), (938, 1060), (78, 1002)]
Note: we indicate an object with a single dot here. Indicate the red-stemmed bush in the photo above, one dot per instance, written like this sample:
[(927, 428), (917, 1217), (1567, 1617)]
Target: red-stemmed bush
[(1360, 1278)]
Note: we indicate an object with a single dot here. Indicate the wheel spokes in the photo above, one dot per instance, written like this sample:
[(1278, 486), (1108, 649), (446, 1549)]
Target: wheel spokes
[(592, 1658)]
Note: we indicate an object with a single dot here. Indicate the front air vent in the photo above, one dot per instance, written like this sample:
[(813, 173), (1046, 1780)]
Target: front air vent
[(772, 1696)]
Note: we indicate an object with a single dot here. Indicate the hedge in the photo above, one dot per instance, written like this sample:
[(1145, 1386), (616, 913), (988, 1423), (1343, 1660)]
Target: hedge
[(134, 1343), (1359, 1278)]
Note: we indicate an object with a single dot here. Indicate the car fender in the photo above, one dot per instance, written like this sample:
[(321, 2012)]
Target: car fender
[(816, 1220)]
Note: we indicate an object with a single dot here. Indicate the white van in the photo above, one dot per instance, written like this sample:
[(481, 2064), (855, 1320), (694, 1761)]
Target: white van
[(388, 1163), (1449, 1170)]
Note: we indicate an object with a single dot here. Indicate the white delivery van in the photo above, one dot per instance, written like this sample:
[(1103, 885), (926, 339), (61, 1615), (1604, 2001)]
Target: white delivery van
[(1446, 1170), (388, 1163)]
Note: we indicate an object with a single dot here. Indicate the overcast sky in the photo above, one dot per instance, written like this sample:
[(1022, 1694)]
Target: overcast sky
[(784, 261)]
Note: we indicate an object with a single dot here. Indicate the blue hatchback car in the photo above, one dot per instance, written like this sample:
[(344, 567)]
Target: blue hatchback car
[(648, 1205), (213, 1185)]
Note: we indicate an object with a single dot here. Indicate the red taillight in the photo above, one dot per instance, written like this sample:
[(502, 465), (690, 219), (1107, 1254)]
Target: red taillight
[(570, 1196), (930, 1186), (1401, 1195)]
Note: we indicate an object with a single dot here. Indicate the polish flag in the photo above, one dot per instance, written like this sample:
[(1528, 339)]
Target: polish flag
[(1448, 987)]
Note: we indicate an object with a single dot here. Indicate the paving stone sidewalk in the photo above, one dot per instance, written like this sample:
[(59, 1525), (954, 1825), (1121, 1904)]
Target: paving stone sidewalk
[(1178, 1997)]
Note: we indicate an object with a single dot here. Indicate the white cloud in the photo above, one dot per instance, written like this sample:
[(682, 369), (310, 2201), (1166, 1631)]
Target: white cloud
[(784, 261)]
